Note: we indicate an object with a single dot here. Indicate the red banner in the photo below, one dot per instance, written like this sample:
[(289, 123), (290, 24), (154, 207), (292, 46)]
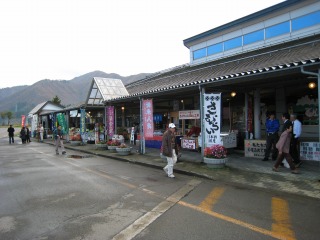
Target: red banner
[(147, 114), (23, 120)]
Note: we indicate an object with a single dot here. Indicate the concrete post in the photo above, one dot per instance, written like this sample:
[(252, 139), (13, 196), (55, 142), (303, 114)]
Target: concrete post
[(256, 113)]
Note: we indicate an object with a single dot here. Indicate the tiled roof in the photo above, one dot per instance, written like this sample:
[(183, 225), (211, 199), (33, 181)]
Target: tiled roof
[(280, 58)]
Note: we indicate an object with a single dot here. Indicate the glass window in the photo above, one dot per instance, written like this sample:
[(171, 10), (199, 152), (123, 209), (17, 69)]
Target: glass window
[(253, 37), (216, 48), (199, 53), (306, 21), (278, 29), (233, 43)]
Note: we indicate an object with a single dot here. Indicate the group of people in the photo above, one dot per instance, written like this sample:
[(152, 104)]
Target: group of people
[(25, 136), (287, 145)]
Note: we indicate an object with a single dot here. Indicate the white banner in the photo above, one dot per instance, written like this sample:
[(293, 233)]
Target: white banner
[(212, 118), (191, 114)]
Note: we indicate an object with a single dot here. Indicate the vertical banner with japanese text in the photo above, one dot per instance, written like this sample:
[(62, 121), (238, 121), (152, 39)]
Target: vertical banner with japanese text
[(212, 118), (147, 114), (62, 122), (23, 120), (110, 121), (83, 124)]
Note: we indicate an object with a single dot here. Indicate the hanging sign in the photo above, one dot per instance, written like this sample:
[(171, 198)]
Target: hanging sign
[(110, 121), (147, 115), (212, 118), (191, 114), (53, 122)]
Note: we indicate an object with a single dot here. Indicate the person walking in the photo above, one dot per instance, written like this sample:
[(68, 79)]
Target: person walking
[(283, 145), (11, 134), (272, 128), (23, 135), (170, 149), (58, 138), (294, 146)]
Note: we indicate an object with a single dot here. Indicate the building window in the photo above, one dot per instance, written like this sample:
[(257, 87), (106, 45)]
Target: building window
[(233, 43), (306, 21), (278, 29), (216, 48), (199, 53), (253, 37)]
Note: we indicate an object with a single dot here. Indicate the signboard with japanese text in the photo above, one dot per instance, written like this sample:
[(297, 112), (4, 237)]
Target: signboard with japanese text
[(310, 151), (147, 115), (53, 122), (191, 114), (254, 148), (110, 120), (189, 143), (212, 118)]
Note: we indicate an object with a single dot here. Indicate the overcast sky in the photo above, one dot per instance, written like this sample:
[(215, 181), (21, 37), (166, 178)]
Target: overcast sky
[(63, 39)]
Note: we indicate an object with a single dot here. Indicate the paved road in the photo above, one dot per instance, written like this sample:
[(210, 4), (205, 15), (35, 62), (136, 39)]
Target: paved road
[(44, 196)]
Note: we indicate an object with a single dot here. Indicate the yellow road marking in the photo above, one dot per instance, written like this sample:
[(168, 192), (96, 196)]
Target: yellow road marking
[(235, 221), (281, 219), (212, 198)]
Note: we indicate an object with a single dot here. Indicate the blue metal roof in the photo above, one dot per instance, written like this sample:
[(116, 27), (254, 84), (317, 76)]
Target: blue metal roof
[(247, 18)]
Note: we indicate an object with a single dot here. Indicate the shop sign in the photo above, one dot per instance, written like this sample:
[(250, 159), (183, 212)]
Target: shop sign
[(188, 143), (255, 148), (62, 122), (110, 120), (23, 120), (310, 151), (147, 115), (83, 124), (212, 118), (191, 114), (229, 140)]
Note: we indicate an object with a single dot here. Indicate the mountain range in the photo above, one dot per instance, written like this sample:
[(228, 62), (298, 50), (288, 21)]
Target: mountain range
[(21, 99)]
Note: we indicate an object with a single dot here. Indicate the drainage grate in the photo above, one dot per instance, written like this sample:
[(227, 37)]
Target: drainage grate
[(79, 156)]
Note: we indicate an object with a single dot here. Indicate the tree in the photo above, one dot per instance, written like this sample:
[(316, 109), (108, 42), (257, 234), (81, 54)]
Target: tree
[(9, 116), (3, 116), (56, 100)]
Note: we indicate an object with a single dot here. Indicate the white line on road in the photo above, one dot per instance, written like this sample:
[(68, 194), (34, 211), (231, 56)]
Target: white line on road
[(140, 224)]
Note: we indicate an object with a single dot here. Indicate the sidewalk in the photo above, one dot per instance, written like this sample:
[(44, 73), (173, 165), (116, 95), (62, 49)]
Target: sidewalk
[(239, 169)]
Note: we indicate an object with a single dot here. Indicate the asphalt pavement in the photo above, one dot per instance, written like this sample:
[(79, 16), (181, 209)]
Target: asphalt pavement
[(239, 169)]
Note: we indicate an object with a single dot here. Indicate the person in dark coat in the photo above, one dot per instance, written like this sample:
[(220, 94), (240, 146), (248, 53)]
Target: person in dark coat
[(23, 135), (11, 134), (170, 149), (27, 134)]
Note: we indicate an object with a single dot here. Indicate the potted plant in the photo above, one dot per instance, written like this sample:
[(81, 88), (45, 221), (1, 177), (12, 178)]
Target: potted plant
[(215, 156), (101, 145), (123, 149), (75, 139), (112, 145)]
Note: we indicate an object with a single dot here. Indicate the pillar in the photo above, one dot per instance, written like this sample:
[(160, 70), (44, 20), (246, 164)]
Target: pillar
[(256, 114), (281, 104)]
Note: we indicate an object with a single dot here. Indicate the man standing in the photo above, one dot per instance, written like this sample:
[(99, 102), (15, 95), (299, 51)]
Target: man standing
[(294, 146), (41, 132), (58, 138), (11, 134), (272, 127), (169, 149)]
